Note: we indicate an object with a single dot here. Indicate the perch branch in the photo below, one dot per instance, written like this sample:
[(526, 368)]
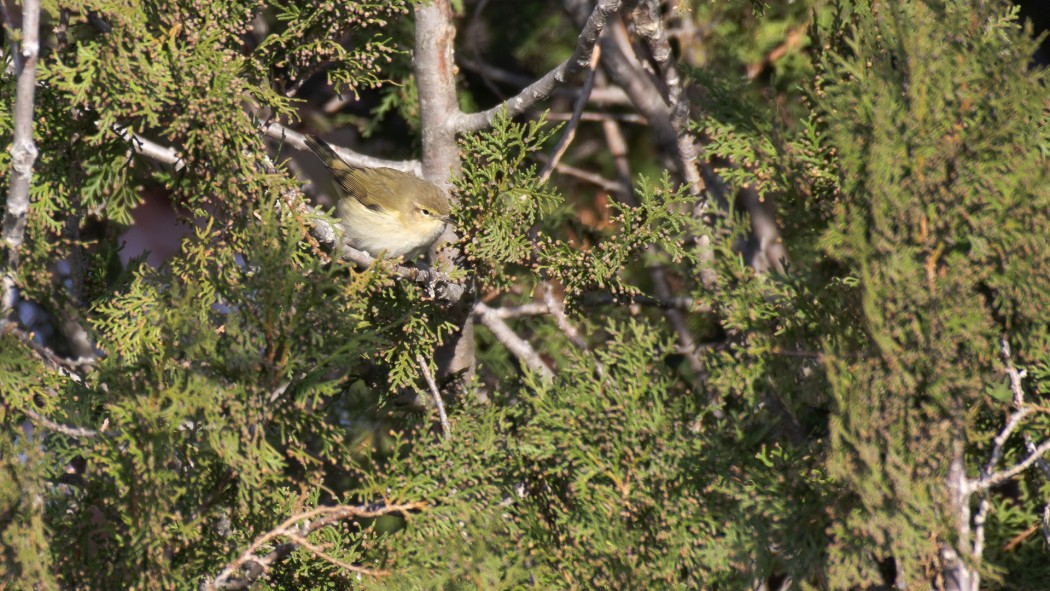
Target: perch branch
[(438, 284)]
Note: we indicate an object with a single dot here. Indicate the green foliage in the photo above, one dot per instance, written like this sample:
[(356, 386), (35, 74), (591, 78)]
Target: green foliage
[(252, 377), (937, 168), (501, 197)]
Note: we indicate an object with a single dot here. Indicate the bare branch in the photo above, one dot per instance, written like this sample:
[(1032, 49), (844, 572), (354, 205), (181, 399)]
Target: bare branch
[(601, 117), (23, 151), (296, 528), (1023, 410), (281, 133), (75, 432), (320, 553), (585, 175), (446, 428), (1000, 439), (557, 310), (996, 479), (600, 96), (649, 25), (65, 367), (518, 346), (1042, 464), (574, 122), (1014, 374), (529, 309), (151, 149), (542, 88)]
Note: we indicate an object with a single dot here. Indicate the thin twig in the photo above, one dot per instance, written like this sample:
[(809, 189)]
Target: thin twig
[(75, 432), (296, 528), (542, 88), (23, 152), (601, 96), (518, 346), (687, 344), (574, 121), (993, 480), (320, 553), (281, 133), (1044, 467), (557, 310), (684, 304), (151, 149), (584, 175), (1000, 439), (446, 428), (600, 117), (65, 367)]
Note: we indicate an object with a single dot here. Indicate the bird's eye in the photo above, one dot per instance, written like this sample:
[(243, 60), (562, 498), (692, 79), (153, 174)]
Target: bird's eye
[(425, 212)]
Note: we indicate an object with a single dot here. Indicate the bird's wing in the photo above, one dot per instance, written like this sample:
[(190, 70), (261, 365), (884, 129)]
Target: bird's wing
[(353, 181)]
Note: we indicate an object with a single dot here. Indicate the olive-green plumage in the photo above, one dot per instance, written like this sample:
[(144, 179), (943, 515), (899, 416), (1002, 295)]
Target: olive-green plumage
[(382, 210)]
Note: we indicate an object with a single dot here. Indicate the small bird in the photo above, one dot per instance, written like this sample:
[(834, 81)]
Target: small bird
[(384, 211)]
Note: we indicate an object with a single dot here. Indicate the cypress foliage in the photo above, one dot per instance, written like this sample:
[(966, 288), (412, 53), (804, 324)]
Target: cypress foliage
[(843, 424)]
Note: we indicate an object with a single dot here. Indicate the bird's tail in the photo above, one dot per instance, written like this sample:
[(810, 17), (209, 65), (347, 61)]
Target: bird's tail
[(324, 152)]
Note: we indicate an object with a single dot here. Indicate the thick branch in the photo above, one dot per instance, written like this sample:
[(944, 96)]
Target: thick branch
[(436, 83), (543, 87), (23, 150), (438, 107)]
